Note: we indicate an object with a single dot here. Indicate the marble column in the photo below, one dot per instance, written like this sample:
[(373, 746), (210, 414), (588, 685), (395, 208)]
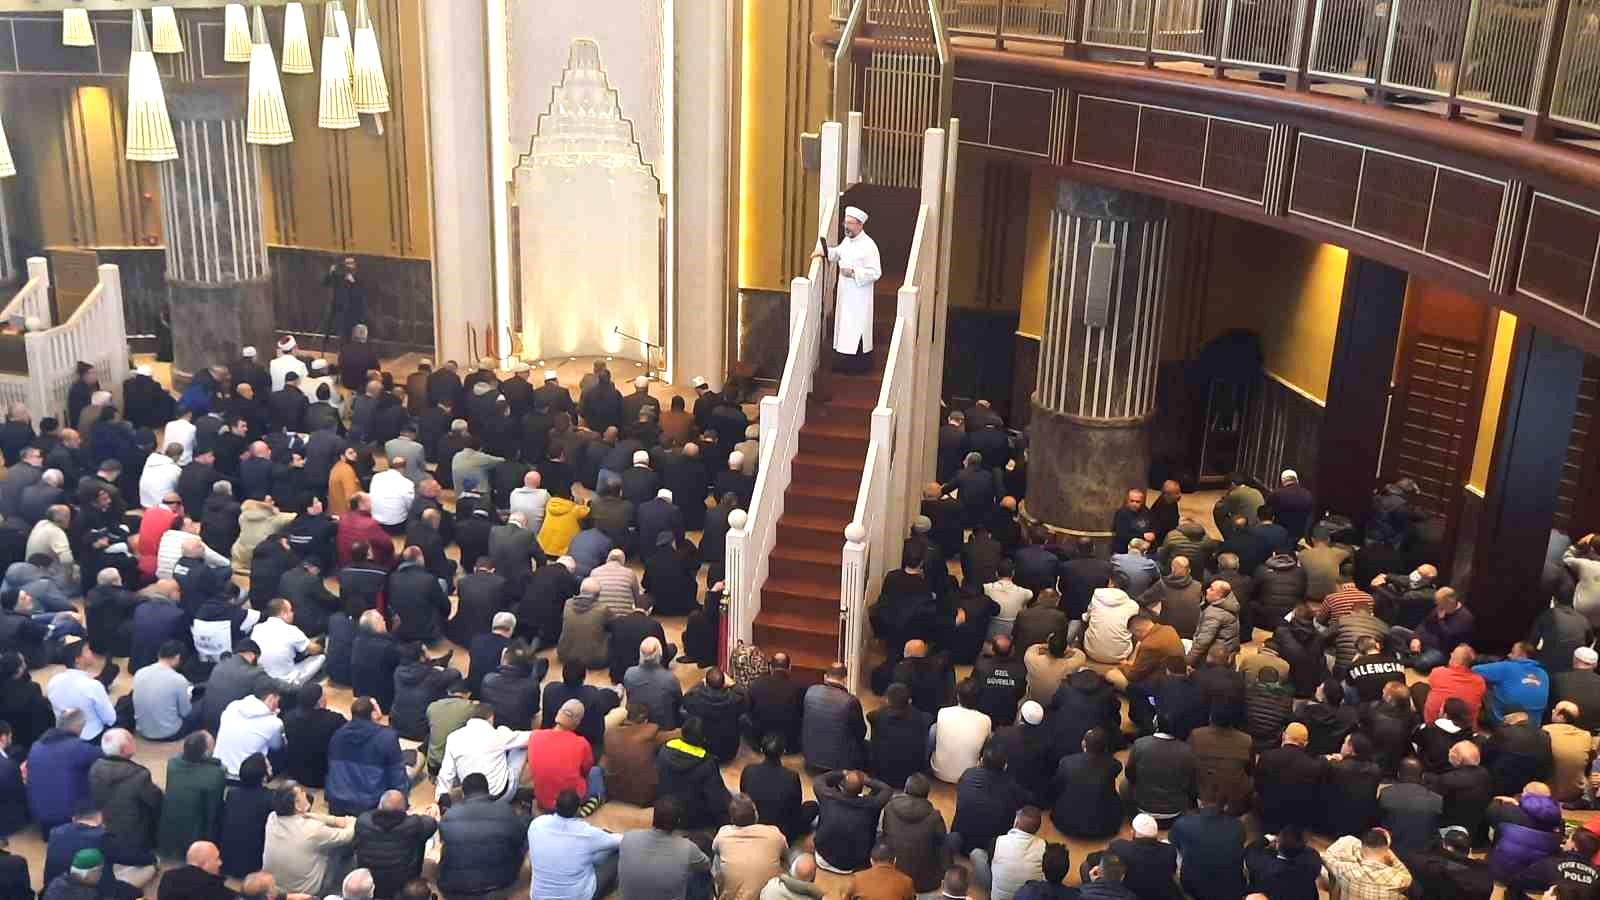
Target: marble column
[(219, 287), (1088, 436)]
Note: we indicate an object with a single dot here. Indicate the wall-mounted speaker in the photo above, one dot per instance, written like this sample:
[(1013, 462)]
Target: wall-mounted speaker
[(1097, 295)]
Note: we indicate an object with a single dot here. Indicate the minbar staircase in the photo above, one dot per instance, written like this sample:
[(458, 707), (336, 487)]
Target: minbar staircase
[(800, 600)]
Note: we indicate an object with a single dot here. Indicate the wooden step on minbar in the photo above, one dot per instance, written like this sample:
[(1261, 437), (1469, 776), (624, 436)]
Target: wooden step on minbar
[(800, 600)]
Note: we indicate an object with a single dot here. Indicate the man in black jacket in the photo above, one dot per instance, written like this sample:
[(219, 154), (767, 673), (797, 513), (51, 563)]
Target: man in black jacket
[(313, 602), (484, 842), (544, 599), (417, 599), (850, 804), (719, 707), (687, 770), (777, 700), (1288, 781), (390, 842)]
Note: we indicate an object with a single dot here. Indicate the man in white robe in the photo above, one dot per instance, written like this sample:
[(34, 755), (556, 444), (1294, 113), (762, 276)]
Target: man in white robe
[(859, 268)]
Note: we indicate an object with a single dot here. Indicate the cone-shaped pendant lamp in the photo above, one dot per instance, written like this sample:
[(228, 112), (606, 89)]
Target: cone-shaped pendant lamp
[(8, 166), (266, 117), (336, 108), (342, 22), (164, 35), (75, 28), (236, 44), (149, 128), (369, 88), (296, 42)]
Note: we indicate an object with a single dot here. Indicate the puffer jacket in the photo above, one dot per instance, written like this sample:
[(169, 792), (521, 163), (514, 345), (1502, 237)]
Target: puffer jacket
[(1517, 845), (692, 775), (1279, 583), (513, 691), (1106, 637), (129, 800), (1219, 624), (847, 825), (719, 713), (1267, 708), (1188, 539), (1349, 630), (915, 829), (833, 730), (417, 684), (364, 760), (389, 844), (584, 638), (1299, 643), (484, 845)]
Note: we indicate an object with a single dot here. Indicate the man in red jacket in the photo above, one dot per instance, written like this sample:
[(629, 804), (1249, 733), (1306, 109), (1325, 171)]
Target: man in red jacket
[(559, 758), (358, 525)]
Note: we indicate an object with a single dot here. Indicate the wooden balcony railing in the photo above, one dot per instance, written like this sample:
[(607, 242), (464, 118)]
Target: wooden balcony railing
[(1529, 65)]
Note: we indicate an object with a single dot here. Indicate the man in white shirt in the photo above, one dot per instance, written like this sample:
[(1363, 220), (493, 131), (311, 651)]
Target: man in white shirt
[(286, 362), (249, 726), (959, 733), (286, 653), (499, 754), (392, 493), (160, 475), (530, 500), (178, 543), (1018, 857), (1010, 596), (76, 689), (180, 431)]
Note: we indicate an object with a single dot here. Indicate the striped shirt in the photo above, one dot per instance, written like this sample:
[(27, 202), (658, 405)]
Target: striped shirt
[(1344, 600), (620, 591)]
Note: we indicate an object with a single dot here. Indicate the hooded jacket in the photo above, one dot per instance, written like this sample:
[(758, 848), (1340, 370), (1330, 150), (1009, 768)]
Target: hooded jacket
[(561, 518), (513, 691), (1106, 638), (364, 760), (719, 712), (1181, 599), (1279, 583), (390, 845), (416, 685), (130, 802), (847, 825), (192, 808), (692, 775), (1301, 646), (916, 830), (257, 520), (584, 638), (1522, 840), (1219, 624), (1084, 701), (1189, 540)]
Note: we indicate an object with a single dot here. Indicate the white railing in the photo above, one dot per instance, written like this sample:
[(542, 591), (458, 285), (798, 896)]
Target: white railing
[(95, 333), (33, 298), (752, 533), (908, 397)]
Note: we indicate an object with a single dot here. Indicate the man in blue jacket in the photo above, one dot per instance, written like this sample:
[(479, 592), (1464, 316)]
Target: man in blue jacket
[(58, 771), (484, 842), (364, 760), (1518, 681)]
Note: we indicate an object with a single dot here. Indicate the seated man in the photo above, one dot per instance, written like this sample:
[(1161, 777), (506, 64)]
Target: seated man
[(570, 857), (286, 653), (559, 759), (499, 754), (365, 760), (484, 842), (162, 710)]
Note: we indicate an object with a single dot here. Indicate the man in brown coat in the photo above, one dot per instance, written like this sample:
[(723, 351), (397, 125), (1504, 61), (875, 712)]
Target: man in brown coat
[(881, 880), (1154, 646), (630, 759)]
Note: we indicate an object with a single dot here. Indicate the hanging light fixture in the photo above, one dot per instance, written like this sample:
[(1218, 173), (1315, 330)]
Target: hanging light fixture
[(266, 117), (75, 28), (149, 128), (336, 108), (296, 43), (236, 46), (164, 34), (370, 90), (8, 166), (343, 24)]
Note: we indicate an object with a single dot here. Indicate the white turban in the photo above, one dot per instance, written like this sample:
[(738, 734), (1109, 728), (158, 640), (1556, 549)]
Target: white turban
[(857, 213)]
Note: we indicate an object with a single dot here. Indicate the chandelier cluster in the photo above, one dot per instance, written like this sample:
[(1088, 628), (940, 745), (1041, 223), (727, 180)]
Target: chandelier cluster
[(352, 84)]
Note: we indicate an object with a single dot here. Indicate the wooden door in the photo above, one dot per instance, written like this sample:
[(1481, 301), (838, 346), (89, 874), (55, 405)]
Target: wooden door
[(1579, 495), (1445, 345)]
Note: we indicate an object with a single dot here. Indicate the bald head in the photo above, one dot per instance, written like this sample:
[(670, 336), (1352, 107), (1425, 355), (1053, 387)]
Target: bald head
[(650, 651), (916, 649), (1180, 566), (531, 480), (804, 868), (192, 546), (392, 801), (204, 855), (1464, 753)]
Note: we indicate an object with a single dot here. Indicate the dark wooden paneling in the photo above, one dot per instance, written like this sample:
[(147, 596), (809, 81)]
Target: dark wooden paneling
[(1370, 312), (1024, 377), (1021, 119), (1520, 498), (1236, 159), (1395, 196), (1104, 133), (764, 331), (971, 102), (1171, 145), (399, 296), (1558, 254), (978, 362), (1466, 211), (1325, 178), (1282, 430), (1575, 509)]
